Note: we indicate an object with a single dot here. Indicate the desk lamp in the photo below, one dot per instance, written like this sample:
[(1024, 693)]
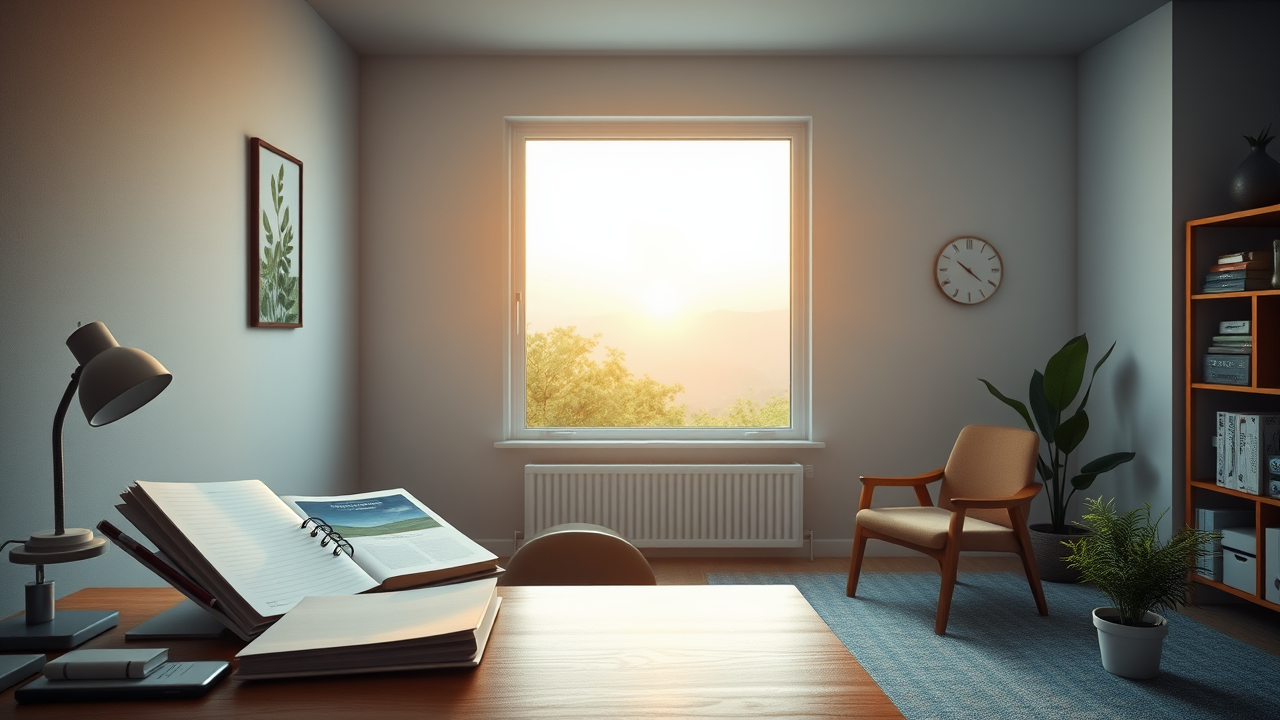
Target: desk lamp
[(113, 382)]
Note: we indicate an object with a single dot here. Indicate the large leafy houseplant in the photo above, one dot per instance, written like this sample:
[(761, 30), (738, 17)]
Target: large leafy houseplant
[(1050, 395), (1124, 557)]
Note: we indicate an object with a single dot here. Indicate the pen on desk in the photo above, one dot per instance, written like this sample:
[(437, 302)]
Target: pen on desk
[(159, 566)]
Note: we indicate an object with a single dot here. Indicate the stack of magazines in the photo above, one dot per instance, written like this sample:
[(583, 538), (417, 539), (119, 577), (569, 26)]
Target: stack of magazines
[(248, 557)]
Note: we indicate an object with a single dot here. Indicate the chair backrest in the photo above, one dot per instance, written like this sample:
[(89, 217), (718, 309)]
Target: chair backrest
[(989, 462), (578, 554)]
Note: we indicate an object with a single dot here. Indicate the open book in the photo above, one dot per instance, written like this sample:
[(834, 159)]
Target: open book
[(248, 549), (334, 634)]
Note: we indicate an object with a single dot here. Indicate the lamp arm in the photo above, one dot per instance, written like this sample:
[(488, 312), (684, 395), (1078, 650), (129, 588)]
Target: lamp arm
[(59, 484)]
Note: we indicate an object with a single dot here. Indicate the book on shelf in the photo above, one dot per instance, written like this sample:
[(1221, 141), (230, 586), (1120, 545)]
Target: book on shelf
[(1237, 349), (1232, 339), (1241, 285), (1226, 460), (1257, 437), (435, 627), (1242, 265), (1226, 369), (1235, 257), (1219, 456), (257, 555), (1234, 327), (1239, 275)]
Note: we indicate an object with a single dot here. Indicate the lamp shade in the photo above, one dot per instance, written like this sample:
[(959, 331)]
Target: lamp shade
[(114, 380)]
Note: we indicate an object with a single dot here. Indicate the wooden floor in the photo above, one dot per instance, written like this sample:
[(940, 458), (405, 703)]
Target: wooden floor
[(1247, 622)]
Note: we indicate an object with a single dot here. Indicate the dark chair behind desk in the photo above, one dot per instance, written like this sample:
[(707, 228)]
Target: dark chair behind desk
[(578, 554)]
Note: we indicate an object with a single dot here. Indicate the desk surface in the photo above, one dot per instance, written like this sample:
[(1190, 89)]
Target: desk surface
[(556, 652)]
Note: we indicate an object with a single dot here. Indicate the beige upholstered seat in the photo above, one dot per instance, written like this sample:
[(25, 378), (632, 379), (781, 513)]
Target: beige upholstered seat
[(578, 554), (987, 487), (927, 526)]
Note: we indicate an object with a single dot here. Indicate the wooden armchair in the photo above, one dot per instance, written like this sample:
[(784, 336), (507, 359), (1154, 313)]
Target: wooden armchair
[(987, 487)]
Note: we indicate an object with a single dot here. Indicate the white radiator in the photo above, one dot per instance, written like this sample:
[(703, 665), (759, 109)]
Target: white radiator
[(672, 506)]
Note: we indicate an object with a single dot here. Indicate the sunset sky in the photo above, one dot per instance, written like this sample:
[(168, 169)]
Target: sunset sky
[(661, 228)]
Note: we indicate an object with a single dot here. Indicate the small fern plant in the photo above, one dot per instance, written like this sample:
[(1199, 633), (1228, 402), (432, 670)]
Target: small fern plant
[(1124, 557)]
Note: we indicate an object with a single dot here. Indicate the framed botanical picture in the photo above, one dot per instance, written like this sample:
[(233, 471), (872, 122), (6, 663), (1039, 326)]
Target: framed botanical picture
[(275, 237)]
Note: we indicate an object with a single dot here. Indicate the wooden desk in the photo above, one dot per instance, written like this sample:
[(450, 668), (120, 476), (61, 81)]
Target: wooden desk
[(556, 652)]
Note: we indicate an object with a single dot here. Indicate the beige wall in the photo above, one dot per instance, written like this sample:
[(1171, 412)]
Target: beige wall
[(907, 153), (123, 171)]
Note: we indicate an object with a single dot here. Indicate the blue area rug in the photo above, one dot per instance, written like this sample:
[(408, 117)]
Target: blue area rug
[(1000, 659)]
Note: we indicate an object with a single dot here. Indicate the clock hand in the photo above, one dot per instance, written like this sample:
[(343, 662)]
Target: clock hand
[(966, 269)]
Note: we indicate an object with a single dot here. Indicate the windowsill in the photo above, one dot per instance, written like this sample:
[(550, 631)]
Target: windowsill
[(552, 443)]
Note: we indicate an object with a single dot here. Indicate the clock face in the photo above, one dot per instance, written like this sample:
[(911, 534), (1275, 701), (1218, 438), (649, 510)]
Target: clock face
[(968, 270)]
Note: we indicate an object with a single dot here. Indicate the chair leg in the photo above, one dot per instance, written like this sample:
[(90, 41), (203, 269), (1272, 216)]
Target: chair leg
[(1029, 562), (855, 562), (950, 562)]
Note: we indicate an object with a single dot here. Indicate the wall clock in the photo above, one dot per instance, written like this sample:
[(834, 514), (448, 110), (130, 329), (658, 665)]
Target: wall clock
[(968, 270)]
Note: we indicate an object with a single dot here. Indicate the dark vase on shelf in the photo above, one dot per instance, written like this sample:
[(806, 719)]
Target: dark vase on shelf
[(1256, 181)]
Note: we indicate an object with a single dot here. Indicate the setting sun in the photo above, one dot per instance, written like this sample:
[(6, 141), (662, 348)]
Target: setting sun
[(661, 302)]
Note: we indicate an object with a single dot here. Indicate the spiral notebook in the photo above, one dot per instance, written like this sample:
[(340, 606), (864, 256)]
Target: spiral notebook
[(257, 556)]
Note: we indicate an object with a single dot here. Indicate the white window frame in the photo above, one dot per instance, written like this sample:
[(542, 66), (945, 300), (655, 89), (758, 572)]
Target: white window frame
[(795, 129)]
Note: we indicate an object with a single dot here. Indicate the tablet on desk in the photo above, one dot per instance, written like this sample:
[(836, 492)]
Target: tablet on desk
[(171, 680)]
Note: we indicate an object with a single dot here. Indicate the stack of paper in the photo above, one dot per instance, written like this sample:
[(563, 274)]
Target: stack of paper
[(445, 626)]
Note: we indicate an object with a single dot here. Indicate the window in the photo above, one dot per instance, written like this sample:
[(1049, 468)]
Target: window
[(659, 279)]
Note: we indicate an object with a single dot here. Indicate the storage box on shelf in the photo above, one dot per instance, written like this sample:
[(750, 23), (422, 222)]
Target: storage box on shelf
[(1256, 390)]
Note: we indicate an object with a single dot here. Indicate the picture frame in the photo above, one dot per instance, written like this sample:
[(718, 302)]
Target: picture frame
[(275, 237)]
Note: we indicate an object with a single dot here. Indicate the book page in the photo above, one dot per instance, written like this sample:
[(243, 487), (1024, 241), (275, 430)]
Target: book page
[(256, 543), (393, 533)]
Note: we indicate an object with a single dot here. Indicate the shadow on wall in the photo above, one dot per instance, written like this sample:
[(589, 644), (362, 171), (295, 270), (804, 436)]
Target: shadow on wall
[(1126, 392), (1142, 477)]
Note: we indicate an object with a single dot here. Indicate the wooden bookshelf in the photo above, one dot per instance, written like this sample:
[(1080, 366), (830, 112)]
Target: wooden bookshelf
[(1206, 239)]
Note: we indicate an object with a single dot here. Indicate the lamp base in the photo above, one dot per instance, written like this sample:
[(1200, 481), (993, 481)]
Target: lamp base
[(49, 547), (66, 630), (183, 621)]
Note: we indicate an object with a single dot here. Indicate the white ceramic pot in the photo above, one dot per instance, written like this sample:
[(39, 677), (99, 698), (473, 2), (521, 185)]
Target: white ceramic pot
[(1128, 651)]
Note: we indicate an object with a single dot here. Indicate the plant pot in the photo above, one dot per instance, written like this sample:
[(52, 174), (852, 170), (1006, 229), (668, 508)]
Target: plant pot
[(1127, 650), (1050, 552)]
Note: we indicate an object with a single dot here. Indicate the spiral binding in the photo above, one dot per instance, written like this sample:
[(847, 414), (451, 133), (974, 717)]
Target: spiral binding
[(340, 543)]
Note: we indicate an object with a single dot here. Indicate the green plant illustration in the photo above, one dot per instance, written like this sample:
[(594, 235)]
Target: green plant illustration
[(1050, 395), (277, 288), (1124, 557)]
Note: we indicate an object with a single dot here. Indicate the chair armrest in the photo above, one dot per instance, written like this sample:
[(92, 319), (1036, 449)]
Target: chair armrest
[(1022, 496), (925, 479), (869, 485)]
